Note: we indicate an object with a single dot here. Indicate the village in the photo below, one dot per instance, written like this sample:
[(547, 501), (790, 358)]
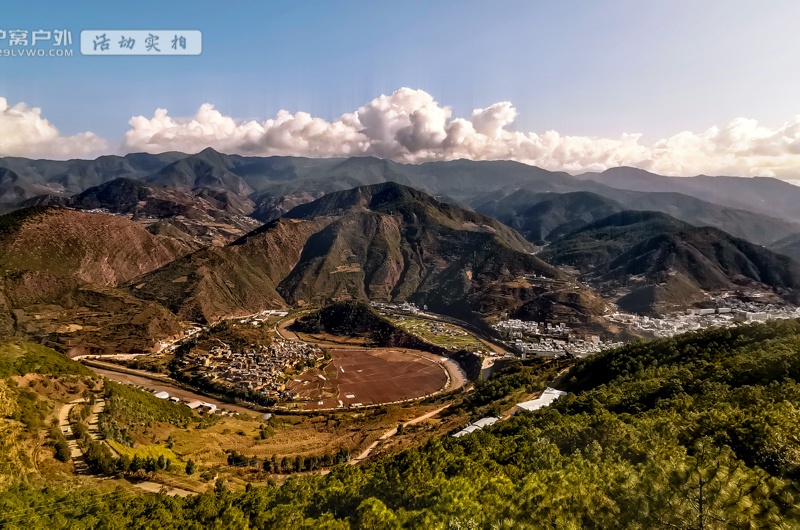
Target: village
[(526, 338), (266, 369), (735, 312), (540, 339), (256, 368)]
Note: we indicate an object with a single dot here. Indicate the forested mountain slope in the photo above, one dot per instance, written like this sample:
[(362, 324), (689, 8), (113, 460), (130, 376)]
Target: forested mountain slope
[(697, 431)]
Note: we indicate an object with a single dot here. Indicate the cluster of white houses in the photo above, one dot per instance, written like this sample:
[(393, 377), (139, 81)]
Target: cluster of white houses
[(534, 339), (199, 406), (696, 319), (262, 316), (518, 328), (403, 307)]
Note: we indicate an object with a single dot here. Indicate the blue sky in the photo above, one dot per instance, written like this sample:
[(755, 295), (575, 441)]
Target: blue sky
[(594, 69)]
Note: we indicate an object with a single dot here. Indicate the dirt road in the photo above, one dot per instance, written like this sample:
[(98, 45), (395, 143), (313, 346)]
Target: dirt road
[(75, 452), (92, 421), (155, 383), (391, 432), (155, 487)]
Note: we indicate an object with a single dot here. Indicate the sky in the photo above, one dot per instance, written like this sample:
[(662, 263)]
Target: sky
[(675, 87)]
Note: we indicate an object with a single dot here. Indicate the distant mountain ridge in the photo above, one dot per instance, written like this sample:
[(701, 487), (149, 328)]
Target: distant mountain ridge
[(199, 217), (662, 262), (788, 246), (768, 196), (276, 184), (541, 217)]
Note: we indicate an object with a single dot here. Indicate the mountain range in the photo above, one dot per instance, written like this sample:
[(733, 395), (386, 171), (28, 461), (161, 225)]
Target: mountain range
[(97, 252), (384, 242), (757, 209), (662, 263), (198, 217), (767, 196)]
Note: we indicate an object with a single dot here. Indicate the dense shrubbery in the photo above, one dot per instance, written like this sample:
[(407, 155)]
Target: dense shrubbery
[(98, 456), (80, 412), (694, 432), (20, 358), (286, 464), (59, 444), (126, 408), (100, 459), (513, 379), (30, 409)]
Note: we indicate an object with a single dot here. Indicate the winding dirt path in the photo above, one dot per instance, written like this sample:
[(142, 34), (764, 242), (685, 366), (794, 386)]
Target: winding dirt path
[(391, 432), (79, 459)]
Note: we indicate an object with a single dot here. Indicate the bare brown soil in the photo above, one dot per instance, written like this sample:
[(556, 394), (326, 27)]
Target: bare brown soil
[(367, 377)]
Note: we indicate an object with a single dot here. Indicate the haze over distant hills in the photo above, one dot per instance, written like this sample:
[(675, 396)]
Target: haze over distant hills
[(788, 246), (757, 209), (768, 196), (541, 217)]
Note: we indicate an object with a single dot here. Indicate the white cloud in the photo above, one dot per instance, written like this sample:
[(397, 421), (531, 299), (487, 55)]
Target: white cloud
[(23, 132), (410, 126)]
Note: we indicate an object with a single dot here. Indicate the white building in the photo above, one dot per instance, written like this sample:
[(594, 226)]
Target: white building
[(548, 396), (476, 426), (208, 407)]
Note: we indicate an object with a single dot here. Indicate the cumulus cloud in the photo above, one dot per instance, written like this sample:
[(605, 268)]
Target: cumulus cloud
[(410, 126), (23, 132)]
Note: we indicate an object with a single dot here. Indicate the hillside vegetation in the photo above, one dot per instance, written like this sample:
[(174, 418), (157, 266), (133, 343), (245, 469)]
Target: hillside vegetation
[(58, 272), (34, 382), (93, 248), (357, 319), (383, 242), (127, 409), (22, 358), (698, 431)]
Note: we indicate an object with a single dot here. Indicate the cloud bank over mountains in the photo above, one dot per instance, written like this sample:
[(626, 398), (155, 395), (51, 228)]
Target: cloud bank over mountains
[(23, 132), (410, 126)]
